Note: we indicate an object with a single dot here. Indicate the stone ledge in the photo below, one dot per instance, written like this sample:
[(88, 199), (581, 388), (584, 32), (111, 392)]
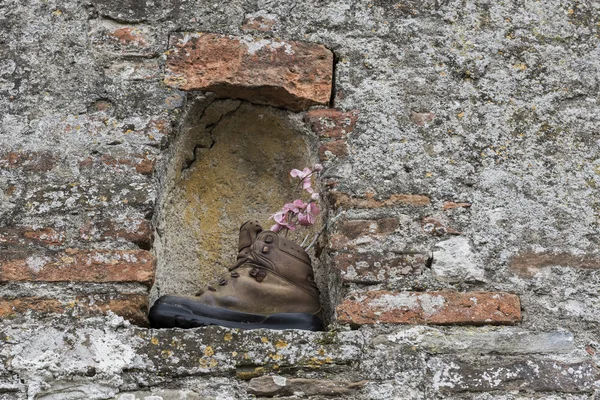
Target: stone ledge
[(101, 351)]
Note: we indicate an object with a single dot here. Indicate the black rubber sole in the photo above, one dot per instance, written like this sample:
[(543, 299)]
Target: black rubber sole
[(181, 312)]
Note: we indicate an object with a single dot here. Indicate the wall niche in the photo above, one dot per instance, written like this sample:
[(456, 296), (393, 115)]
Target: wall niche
[(229, 163)]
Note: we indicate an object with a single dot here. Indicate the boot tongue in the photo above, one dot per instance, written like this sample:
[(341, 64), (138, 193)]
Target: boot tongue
[(248, 233)]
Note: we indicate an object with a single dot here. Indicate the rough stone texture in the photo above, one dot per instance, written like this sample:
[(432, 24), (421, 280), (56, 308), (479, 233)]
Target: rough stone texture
[(480, 117), (270, 386), (288, 74), (377, 268), (330, 123), (473, 308), (455, 261)]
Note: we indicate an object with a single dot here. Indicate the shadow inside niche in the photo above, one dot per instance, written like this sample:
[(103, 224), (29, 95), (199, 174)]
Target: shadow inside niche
[(229, 163)]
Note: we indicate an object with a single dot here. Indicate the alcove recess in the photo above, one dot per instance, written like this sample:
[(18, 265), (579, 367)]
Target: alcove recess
[(229, 163), (240, 135)]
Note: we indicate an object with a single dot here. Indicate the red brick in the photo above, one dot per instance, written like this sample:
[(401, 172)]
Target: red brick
[(28, 235), (28, 161), (448, 205), (133, 307), (331, 123), (376, 268), (337, 148), (437, 308), (528, 263), (293, 75), (422, 119), (138, 231), (81, 266), (344, 200)]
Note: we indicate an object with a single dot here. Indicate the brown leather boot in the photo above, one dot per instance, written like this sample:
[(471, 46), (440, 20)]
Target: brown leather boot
[(270, 286)]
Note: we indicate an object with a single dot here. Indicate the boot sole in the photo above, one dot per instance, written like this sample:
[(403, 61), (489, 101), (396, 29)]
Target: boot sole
[(181, 312)]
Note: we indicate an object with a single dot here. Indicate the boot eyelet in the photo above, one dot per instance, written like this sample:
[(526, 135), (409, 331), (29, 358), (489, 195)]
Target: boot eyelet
[(235, 275), (269, 239), (222, 281), (212, 289), (253, 272)]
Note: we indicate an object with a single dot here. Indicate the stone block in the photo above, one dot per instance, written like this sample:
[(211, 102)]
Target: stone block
[(74, 265), (526, 375), (275, 385), (292, 75), (455, 261), (437, 308), (377, 267), (259, 21)]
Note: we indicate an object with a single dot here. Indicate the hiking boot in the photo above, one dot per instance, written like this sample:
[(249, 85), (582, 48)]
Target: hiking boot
[(270, 286)]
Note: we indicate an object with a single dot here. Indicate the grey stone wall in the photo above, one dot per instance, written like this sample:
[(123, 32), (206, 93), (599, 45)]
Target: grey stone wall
[(487, 110)]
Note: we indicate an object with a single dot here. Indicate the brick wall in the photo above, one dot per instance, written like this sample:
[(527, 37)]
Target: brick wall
[(460, 145)]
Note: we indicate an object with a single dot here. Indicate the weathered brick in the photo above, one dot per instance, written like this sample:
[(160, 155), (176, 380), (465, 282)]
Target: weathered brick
[(344, 200), (130, 40), (422, 119), (448, 205), (331, 123), (28, 235), (376, 268), (437, 226), (525, 375), (279, 386), (28, 161), (336, 148), (293, 75), (140, 162), (261, 22), (133, 307), (348, 232), (80, 266), (439, 308), (528, 263), (356, 228), (138, 231)]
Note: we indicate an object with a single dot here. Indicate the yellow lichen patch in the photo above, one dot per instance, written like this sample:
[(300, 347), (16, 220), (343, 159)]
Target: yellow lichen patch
[(228, 336), (154, 341), (203, 363), (276, 356), (213, 363), (460, 115), (280, 344), (321, 351), (264, 339), (166, 353), (209, 352), (234, 354), (520, 66)]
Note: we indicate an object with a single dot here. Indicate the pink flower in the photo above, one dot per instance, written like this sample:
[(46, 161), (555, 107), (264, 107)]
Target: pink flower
[(318, 167), (296, 173)]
